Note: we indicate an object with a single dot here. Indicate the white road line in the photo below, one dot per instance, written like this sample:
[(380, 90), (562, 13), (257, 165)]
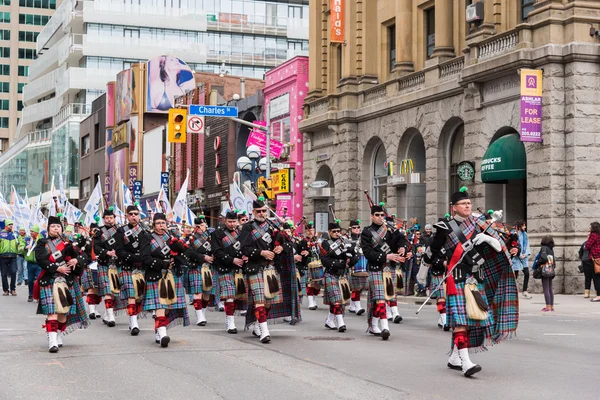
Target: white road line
[(560, 334), (223, 330)]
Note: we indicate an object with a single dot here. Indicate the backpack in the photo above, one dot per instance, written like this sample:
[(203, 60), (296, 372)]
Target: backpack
[(537, 272)]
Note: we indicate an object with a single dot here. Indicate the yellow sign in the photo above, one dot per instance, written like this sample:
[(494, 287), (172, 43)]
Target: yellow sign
[(406, 166), (119, 137), (531, 82), (264, 187), (280, 181)]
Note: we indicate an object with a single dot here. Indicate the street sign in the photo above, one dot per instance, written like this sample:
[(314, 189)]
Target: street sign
[(213, 111), (164, 182), (195, 124), (137, 190)]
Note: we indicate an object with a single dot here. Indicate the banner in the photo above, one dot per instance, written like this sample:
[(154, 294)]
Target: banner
[(284, 201), (280, 181), (259, 139), (180, 205), (531, 105), (336, 10), (137, 190)]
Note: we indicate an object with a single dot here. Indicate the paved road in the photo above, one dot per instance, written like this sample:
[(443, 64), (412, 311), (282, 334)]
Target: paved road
[(555, 357)]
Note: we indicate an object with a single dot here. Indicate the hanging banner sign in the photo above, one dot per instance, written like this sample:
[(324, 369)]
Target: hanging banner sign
[(531, 105), (164, 182), (336, 15), (137, 190)]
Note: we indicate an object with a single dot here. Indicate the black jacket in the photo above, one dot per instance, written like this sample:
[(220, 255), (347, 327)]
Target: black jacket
[(251, 247), (225, 251), (42, 256), (101, 247), (335, 259), (372, 251), (162, 260), (197, 253), (133, 251)]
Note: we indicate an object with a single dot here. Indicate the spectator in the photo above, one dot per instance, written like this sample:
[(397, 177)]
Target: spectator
[(8, 258), (592, 245), (427, 236), (587, 267), (546, 256), (520, 262), (21, 263), (33, 269)]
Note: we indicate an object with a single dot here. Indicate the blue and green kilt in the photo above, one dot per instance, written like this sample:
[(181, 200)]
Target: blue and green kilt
[(177, 314), (333, 294), (194, 281), (127, 289), (227, 286), (255, 287), (376, 290), (435, 281), (358, 283), (87, 279), (215, 292), (103, 281), (456, 309), (303, 283), (77, 317)]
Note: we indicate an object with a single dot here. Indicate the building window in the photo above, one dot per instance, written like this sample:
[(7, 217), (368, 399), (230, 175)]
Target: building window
[(25, 36), (23, 70), (5, 52), (430, 30), (99, 137), (33, 19), (295, 12), (85, 188), (131, 33), (4, 2), (527, 6), (48, 4), (85, 145), (391, 31), (4, 87), (4, 105), (4, 69), (4, 34), (4, 16), (27, 54), (20, 87), (379, 175), (3, 122), (19, 105), (456, 156)]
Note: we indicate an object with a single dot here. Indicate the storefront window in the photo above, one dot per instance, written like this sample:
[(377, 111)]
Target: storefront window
[(456, 156), (379, 175)]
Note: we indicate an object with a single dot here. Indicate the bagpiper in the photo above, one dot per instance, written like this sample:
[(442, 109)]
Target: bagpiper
[(359, 277), (134, 253), (59, 293), (89, 277)]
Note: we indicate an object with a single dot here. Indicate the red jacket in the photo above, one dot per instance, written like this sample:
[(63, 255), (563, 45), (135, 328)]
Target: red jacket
[(593, 245)]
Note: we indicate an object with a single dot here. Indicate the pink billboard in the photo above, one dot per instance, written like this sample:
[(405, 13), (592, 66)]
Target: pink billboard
[(110, 104), (259, 139)]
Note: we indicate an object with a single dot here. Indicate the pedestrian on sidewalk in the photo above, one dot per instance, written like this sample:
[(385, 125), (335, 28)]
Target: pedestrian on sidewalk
[(33, 269), (545, 260), (520, 262), (592, 245), (21, 263), (8, 258)]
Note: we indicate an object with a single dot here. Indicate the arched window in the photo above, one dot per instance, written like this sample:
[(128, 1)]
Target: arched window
[(379, 174), (457, 152)]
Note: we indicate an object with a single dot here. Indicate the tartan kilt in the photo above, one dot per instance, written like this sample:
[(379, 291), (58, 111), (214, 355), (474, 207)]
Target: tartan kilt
[(103, 281), (177, 314), (456, 309), (255, 287), (87, 280), (303, 283), (333, 294), (435, 281), (227, 286), (77, 317), (376, 289), (215, 293), (194, 281), (358, 283), (127, 288)]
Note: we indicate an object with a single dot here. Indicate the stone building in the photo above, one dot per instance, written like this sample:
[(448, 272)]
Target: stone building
[(413, 80)]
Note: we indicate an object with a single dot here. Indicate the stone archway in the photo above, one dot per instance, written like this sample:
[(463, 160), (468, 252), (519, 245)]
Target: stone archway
[(450, 150), (374, 173), (411, 195), (322, 197)]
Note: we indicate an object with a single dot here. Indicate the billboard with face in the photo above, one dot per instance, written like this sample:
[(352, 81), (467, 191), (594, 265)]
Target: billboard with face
[(168, 78), (123, 96)]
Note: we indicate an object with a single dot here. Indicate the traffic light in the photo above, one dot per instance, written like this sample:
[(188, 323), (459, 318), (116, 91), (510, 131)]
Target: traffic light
[(177, 125)]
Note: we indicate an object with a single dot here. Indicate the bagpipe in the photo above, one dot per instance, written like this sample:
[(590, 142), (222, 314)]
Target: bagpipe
[(389, 224)]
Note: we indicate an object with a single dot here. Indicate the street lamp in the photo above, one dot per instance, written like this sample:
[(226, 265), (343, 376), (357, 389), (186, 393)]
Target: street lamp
[(249, 162)]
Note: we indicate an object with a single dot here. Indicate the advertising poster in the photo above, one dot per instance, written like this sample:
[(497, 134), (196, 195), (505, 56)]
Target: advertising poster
[(168, 78), (531, 105), (108, 149), (259, 138), (136, 86), (110, 104), (120, 136), (123, 96), (118, 170), (134, 141)]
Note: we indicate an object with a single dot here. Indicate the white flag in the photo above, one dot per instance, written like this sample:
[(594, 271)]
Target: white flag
[(127, 199), (164, 204), (180, 204), (93, 205), (61, 187)]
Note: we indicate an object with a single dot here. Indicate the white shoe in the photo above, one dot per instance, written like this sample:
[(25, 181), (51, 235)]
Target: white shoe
[(200, 317), (230, 319), (221, 306), (385, 329), (396, 315), (358, 308), (109, 317), (59, 339), (256, 330), (265, 336), (526, 295), (351, 307), (468, 367), (162, 336), (374, 330), (92, 313), (388, 312), (340, 323), (156, 337), (311, 303), (134, 328), (440, 322), (454, 360), (53, 342), (330, 322)]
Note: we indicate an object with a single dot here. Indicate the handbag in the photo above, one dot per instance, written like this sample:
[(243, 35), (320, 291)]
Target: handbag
[(547, 270), (207, 278), (537, 272), (596, 265)]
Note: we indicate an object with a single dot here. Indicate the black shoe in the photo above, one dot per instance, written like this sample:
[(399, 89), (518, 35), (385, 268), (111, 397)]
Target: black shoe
[(266, 339), (53, 349), (135, 331), (398, 319), (421, 294), (93, 316), (203, 323), (473, 370), (232, 331), (385, 334), (110, 324), (26, 283), (312, 308), (446, 328), (360, 312), (30, 299), (455, 367), (373, 333), (352, 311), (342, 328), (164, 342)]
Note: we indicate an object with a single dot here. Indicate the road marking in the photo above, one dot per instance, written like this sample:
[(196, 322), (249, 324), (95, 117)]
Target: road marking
[(560, 334), (223, 330), (56, 363)]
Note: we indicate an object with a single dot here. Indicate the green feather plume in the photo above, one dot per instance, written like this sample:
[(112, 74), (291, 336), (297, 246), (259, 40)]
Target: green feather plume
[(261, 198), (111, 208), (137, 204), (381, 203), (490, 211), (59, 215), (337, 221), (358, 220), (463, 189), (446, 215)]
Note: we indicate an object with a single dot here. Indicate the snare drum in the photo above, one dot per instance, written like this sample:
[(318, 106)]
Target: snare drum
[(360, 268), (316, 272)]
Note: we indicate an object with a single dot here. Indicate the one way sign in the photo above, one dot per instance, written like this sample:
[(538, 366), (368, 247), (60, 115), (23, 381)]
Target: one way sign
[(195, 124)]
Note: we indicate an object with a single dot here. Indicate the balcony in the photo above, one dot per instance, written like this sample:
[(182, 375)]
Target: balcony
[(247, 56), (117, 13), (40, 87), (254, 24), (70, 49), (74, 110), (72, 80), (137, 48), (45, 62), (39, 111), (40, 138)]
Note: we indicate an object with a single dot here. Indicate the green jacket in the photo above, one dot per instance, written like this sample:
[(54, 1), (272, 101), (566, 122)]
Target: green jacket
[(23, 242), (9, 242)]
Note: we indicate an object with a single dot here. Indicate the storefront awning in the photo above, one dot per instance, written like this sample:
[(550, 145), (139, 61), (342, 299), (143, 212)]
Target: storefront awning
[(504, 160)]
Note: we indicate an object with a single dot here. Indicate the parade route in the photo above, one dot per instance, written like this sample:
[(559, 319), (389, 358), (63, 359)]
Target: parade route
[(302, 361)]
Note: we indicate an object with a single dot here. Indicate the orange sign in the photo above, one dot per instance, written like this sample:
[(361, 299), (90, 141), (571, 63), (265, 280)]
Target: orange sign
[(336, 15)]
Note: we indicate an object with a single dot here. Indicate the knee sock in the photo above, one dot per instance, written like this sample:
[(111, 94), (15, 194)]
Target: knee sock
[(392, 303), (355, 295), (90, 299), (62, 326), (198, 304), (52, 325), (160, 322), (138, 308), (229, 308), (337, 309), (261, 314), (309, 291), (461, 340), (380, 311), (204, 303), (441, 307), (131, 309), (108, 303)]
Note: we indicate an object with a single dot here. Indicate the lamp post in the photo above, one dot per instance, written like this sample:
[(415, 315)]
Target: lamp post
[(248, 163)]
